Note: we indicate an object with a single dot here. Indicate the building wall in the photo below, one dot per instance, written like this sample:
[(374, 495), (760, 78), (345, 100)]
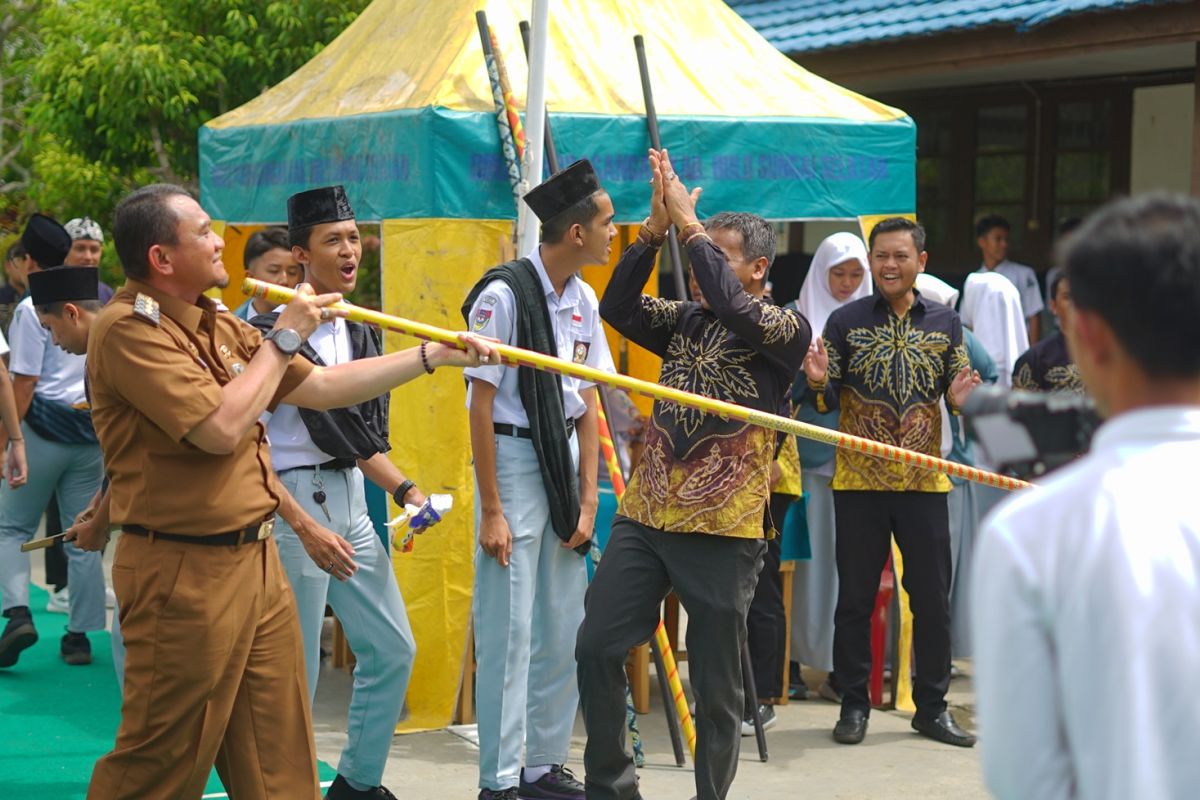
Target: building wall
[(1161, 156)]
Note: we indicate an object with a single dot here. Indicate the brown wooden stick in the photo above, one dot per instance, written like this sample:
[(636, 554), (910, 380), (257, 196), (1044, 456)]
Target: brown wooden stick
[(43, 543)]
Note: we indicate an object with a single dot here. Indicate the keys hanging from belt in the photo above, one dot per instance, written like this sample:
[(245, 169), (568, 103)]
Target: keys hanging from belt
[(319, 494)]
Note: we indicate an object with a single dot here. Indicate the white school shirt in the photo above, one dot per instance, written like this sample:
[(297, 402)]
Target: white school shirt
[(1086, 619), (34, 353), (1025, 279), (291, 444), (578, 336)]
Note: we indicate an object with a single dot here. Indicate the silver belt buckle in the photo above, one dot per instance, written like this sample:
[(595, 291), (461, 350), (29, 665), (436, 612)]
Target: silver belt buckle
[(265, 529)]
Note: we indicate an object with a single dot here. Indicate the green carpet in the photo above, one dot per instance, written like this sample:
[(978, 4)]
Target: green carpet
[(56, 720)]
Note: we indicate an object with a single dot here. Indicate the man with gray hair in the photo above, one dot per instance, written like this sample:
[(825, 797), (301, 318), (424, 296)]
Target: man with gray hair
[(691, 519)]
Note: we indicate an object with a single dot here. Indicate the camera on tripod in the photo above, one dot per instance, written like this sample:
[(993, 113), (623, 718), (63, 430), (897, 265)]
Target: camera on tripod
[(1028, 434)]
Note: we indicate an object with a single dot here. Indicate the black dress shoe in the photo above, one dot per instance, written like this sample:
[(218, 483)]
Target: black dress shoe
[(944, 729), (851, 728)]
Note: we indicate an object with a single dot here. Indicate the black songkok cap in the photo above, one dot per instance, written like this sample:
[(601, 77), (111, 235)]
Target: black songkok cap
[(46, 241), (317, 206), (562, 190), (64, 285)]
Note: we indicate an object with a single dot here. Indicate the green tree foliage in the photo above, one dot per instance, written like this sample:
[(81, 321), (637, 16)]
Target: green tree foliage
[(19, 47), (127, 83)]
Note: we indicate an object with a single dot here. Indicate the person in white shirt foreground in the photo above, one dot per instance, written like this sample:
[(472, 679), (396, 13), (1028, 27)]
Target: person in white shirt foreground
[(1087, 589)]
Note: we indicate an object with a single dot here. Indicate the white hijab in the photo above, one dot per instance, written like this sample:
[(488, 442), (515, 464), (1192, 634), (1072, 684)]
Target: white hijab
[(938, 291), (816, 301), (991, 307)]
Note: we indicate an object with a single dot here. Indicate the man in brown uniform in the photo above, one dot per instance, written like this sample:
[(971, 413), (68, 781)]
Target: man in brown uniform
[(214, 669)]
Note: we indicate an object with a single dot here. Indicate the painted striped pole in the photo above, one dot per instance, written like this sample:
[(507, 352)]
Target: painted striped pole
[(518, 357)]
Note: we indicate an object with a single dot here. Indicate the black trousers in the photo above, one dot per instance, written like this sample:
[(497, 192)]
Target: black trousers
[(714, 577), (866, 522), (766, 622)]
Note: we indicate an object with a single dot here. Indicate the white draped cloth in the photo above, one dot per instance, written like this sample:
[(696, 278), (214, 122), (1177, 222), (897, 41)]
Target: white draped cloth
[(991, 307), (816, 301)]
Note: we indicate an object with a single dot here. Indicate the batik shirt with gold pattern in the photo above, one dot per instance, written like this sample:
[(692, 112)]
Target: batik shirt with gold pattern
[(1047, 367), (888, 373), (700, 473)]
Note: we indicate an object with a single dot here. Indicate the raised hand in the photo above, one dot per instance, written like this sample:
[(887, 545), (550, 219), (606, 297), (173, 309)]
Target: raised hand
[(816, 362), (680, 202), (660, 220), (963, 384)]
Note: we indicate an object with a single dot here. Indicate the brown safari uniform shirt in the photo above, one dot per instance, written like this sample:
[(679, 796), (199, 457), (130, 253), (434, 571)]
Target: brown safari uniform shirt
[(214, 671), (151, 382)]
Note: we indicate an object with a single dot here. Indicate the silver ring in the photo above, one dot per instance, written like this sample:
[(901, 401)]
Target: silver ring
[(324, 313), (329, 567), (670, 176)]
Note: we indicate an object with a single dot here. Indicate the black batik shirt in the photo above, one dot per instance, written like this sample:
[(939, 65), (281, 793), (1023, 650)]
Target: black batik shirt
[(1047, 367), (888, 373), (700, 473)]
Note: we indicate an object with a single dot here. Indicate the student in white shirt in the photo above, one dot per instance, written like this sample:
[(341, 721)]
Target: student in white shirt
[(1087, 589), (991, 234)]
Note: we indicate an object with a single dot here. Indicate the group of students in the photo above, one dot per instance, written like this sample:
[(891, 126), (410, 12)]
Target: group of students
[(184, 397)]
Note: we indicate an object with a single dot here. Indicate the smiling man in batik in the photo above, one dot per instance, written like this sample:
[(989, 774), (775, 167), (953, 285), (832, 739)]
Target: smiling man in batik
[(887, 360), (692, 516)]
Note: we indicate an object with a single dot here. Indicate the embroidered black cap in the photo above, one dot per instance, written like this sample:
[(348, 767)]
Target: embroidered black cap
[(46, 241), (64, 285), (562, 190), (318, 206)]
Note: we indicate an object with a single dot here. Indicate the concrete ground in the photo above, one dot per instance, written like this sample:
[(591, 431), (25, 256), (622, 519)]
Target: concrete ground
[(893, 761), (804, 762)]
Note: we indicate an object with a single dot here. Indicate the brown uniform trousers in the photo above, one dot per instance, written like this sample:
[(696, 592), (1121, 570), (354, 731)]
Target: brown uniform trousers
[(214, 671)]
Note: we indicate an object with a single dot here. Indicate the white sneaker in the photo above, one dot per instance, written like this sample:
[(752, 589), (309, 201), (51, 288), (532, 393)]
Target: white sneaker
[(60, 601), (766, 714), (110, 597)]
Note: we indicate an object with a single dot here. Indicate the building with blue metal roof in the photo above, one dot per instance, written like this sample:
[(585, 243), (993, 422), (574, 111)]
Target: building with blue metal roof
[(1039, 110)]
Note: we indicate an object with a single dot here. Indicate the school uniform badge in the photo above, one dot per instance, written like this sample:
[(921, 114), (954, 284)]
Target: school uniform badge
[(581, 352), (484, 315)]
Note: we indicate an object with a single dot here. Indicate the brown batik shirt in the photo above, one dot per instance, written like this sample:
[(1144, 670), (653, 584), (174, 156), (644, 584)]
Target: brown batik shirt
[(700, 473)]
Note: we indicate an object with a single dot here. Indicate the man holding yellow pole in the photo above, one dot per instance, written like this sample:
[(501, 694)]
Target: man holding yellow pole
[(692, 515), (214, 666)]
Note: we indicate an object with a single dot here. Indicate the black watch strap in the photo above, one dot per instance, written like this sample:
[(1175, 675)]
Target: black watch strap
[(402, 490)]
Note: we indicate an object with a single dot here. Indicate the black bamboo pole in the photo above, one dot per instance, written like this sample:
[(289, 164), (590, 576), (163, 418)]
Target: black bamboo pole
[(639, 45)]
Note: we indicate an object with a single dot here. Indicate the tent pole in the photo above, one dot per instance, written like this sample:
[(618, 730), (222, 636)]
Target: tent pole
[(551, 153), (535, 122)]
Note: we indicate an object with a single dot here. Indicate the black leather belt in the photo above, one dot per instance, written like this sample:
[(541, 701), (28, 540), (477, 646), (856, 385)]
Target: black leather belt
[(329, 466), (248, 535), (504, 429)]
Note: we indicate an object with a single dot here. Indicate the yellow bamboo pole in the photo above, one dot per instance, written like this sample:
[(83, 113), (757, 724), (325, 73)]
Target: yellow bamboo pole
[(518, 357)]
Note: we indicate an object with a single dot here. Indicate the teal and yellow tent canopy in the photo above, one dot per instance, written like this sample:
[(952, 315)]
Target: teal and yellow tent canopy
[(399, 109)]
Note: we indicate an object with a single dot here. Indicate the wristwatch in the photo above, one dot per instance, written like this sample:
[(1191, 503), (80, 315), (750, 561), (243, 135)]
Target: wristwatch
[(286, 339), (402, 490)]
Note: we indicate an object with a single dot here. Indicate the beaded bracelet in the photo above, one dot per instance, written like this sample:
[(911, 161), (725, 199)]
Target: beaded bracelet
[(424, 359), (690, 231), (647, 235)]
